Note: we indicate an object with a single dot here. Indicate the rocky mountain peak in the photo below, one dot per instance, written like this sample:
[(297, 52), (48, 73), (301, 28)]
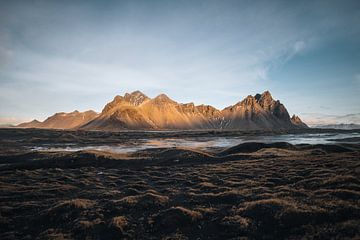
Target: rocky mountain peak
[(257, 96), (135, 98), (249, 100), (137, 92), (116, 101), (295, 117), (267, 95), (266, 101), (163, 98), (297, 121)]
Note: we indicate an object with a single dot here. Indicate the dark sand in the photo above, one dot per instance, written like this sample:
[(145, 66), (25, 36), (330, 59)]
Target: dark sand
[(249, 191)]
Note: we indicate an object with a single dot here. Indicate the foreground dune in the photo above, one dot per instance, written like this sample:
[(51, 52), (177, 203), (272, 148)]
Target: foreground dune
[(253, 190)]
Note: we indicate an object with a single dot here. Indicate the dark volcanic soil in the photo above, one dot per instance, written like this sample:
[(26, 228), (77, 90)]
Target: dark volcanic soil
[(254, 191)]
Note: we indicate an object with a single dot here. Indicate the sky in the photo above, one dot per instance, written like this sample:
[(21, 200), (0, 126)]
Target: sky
[(58, 56)]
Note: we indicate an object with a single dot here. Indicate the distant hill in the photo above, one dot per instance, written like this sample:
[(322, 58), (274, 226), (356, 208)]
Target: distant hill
[(339, 126), (319, 119), (137, 111), (62, 120), (6, 125)]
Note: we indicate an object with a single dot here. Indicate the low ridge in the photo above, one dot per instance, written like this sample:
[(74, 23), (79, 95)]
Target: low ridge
[(62, 120)]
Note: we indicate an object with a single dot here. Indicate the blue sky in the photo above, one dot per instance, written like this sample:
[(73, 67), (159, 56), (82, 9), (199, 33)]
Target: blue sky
[(66, 55)]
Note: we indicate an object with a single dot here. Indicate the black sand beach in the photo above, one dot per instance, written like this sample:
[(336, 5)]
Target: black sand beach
[(250, 191)]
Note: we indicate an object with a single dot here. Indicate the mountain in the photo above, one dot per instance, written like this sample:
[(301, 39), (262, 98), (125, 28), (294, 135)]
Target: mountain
[(6, 125), (257, 112), (137, 111), (62, 120)]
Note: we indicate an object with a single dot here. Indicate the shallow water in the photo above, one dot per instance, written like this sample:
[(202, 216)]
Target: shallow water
[(205, 143)]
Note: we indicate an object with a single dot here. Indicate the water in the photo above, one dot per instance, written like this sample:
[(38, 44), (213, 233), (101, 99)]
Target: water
[(204, 143)]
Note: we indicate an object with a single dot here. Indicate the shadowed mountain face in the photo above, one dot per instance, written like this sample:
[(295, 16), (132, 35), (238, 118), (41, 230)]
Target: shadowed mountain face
[(137, 111), (63, 120)]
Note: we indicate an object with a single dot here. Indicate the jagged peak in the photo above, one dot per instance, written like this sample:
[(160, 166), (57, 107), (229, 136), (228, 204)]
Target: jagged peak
[(266, 96), (249, 97), (135, 98), (266, 93), (295, 118), (135, 93), (297, 121), (266, 101), (248, 100)]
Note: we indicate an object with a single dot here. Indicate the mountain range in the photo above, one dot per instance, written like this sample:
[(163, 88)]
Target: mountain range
[(139, 112)]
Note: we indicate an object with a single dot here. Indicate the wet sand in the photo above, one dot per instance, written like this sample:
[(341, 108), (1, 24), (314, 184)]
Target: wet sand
[(249, 191)]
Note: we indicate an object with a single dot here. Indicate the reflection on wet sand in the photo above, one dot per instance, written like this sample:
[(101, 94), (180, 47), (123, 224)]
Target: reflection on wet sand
[(207, 143)]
